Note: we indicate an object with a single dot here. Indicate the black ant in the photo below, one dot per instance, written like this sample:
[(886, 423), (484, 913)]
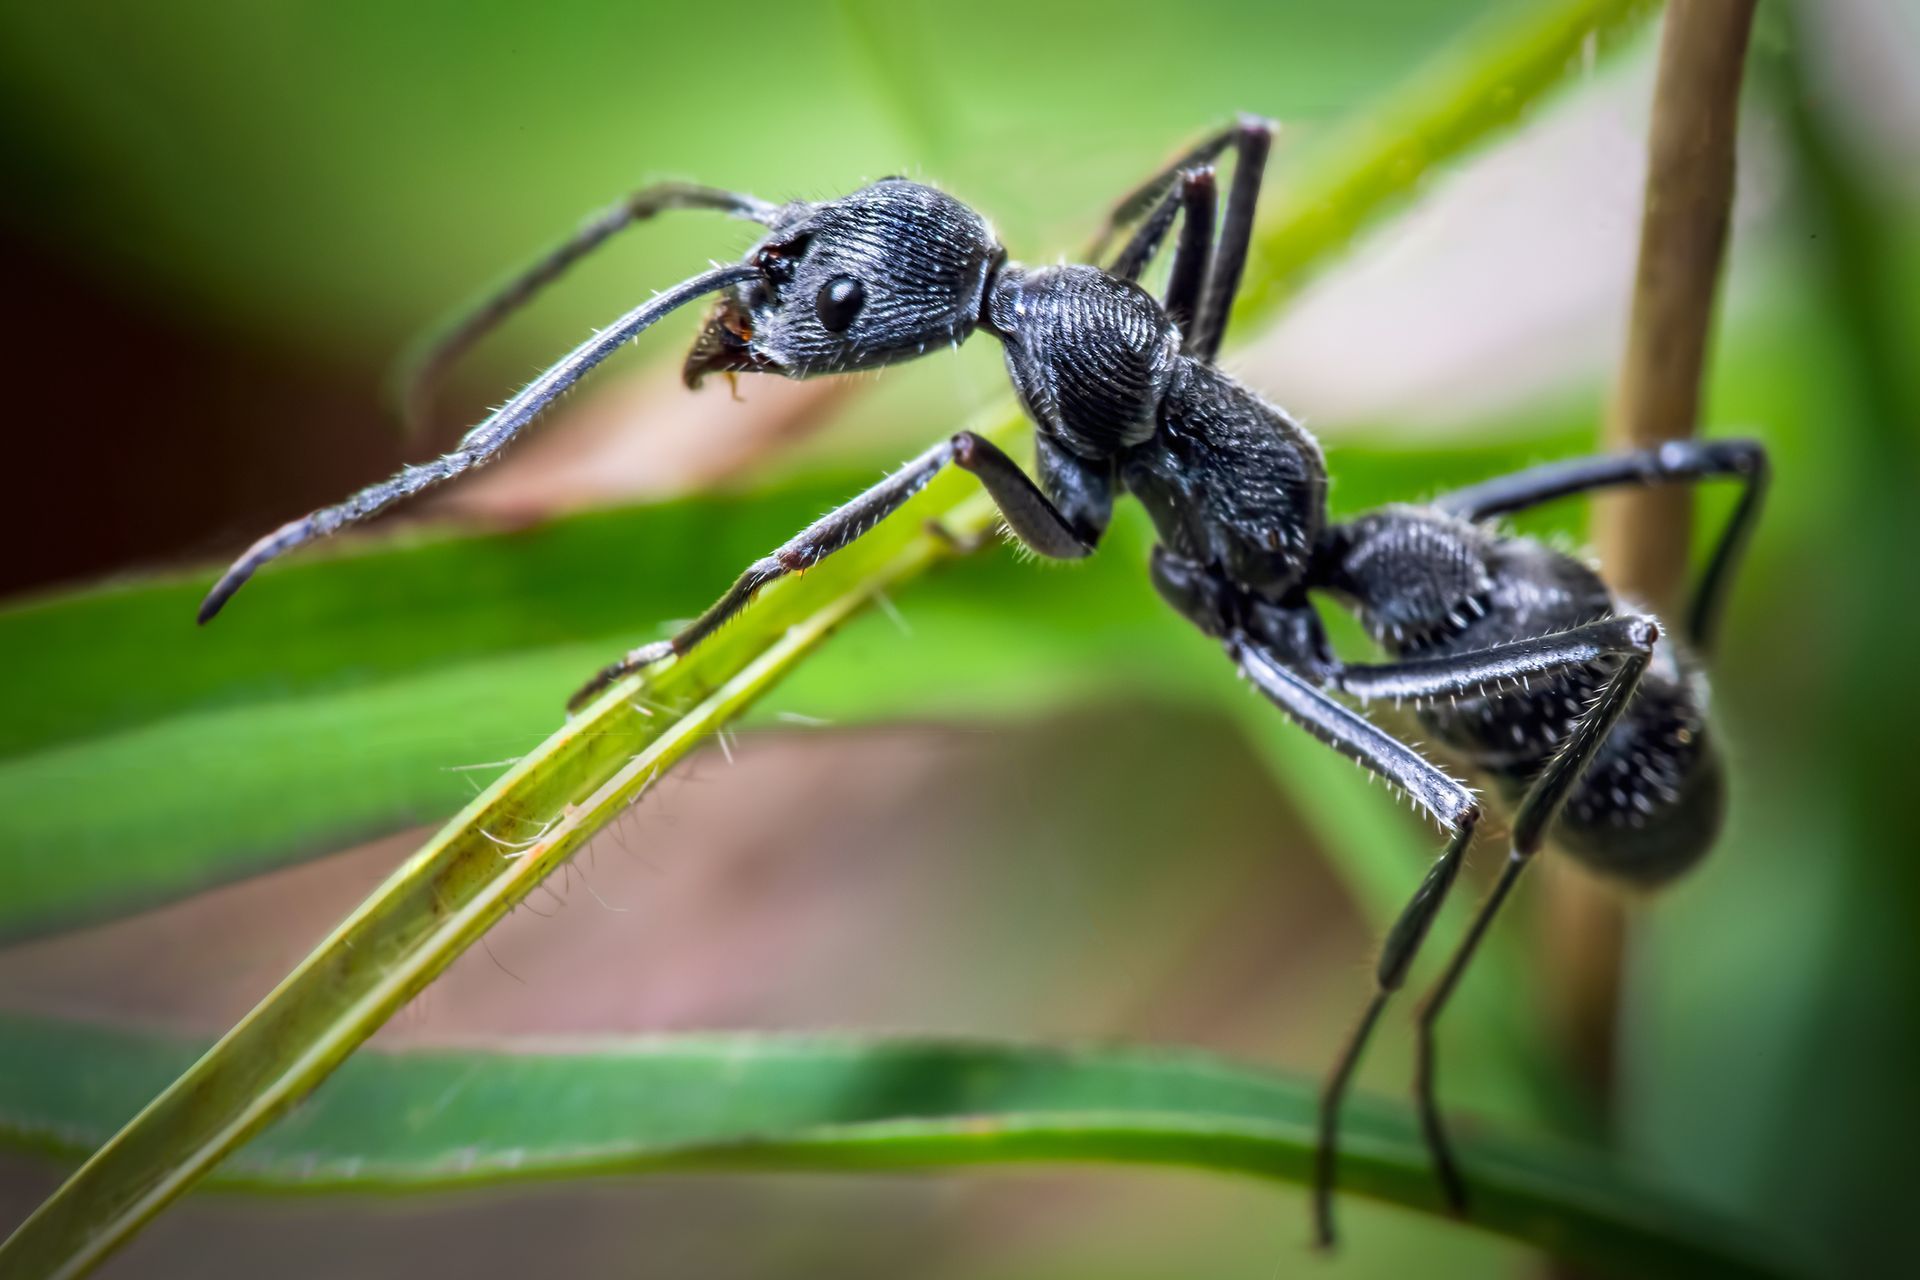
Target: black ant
[(1587, 717)]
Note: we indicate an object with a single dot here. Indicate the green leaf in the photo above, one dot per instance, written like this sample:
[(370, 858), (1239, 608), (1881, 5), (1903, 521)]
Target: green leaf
[(445, 897), (425, 1120), (238, 748), (393, 608), (248, 745), (449, 893)]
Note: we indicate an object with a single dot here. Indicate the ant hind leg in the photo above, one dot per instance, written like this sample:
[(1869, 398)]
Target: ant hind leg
[(1676, 462), (1448, 801), (1534, 816), (1628, 639)]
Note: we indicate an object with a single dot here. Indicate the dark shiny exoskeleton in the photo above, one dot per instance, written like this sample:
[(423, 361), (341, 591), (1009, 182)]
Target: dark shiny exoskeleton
[(1585, 715), (1428, 585)]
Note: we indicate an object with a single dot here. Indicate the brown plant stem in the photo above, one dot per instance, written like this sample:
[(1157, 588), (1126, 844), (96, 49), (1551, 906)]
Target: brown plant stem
[(1644, 535)]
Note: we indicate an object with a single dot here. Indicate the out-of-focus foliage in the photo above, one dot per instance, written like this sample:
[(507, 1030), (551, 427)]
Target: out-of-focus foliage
[(430, 145)]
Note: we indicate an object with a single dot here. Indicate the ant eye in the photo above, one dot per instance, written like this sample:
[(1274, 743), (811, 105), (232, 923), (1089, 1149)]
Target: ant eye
[(838, 302)]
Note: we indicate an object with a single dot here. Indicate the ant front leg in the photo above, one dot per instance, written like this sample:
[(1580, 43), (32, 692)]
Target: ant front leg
[(1081, 491), (1028, 511)]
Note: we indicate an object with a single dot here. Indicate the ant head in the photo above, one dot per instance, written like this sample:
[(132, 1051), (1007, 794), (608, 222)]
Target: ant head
[(876, 277)]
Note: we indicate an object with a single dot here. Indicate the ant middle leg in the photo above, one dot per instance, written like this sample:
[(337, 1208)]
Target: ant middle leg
[(1282, 651), (1629, 639), (1193, 201), (1251, 139), (1675, 462), (1448, 801), (1028, 511)]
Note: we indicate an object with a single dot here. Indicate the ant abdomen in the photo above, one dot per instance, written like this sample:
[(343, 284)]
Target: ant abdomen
[(1651, 803), (1428, 585)]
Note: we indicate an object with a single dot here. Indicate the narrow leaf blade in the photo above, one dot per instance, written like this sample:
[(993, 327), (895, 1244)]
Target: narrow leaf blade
[(423, 1120)]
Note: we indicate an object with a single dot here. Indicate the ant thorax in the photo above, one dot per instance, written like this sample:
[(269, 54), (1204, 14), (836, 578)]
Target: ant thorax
[(1090, 355)]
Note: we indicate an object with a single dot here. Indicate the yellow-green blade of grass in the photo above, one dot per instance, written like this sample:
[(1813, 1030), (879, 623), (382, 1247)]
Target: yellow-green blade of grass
[(430, 1120), (433, 907), (219, 765), (444, 897)]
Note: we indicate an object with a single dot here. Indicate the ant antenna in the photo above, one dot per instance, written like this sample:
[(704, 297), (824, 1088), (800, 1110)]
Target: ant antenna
[(479, 444)]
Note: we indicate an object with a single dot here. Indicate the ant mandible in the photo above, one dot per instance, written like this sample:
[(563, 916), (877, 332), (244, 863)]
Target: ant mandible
[(1585, 715)]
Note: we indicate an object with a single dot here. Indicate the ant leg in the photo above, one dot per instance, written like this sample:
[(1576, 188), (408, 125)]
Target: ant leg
[(1488, 670), (1028, 512), (1351, 734), (1080, 490), (1677, 461), (1531, 821), (413, 380), (1631, 639), (1194, 202), (1248, 134), (1481, 671), (1140, 250), (1674, 461), (1354, 736), (1193, 252), (1139, 201), (1253, 137)]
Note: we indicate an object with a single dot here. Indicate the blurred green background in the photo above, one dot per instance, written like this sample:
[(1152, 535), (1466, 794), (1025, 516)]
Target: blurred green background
[(1041, 807)]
